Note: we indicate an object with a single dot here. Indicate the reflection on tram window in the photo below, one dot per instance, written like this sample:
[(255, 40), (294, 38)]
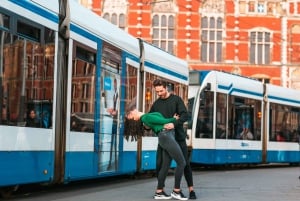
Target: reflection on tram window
[(285, 123), (26, 77), (83, 90)]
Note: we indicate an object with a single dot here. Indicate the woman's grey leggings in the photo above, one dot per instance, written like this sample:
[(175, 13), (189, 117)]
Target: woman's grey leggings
[(166, 139)]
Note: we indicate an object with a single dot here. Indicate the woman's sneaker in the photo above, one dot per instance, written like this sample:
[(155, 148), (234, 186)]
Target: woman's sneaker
[(178, 195), (161, 196)]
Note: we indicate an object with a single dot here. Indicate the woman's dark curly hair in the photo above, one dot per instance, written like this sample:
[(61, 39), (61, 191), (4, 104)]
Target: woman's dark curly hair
[(133, 129)]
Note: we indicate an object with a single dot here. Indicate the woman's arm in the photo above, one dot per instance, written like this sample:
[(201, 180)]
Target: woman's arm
[(157, 119)]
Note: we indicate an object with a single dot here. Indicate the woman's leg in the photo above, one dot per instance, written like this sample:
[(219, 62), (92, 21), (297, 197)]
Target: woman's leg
[(164, 168), (168, 143)]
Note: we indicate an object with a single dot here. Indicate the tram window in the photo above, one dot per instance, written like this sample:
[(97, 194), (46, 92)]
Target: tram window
[(130, 84), (170, 87), (190, 112), (243, 121), (28, 31), (204, 128), (284, 124), (4, 21), (49, 36), (26, 84), (111, 59), (221, 108), (85, 55), (83, 90)]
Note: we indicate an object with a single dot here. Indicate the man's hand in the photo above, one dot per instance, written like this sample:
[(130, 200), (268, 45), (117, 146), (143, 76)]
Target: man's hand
[(169, 126)]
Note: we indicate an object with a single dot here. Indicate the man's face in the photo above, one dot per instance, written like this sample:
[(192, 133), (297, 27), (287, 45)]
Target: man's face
[(161, 92)]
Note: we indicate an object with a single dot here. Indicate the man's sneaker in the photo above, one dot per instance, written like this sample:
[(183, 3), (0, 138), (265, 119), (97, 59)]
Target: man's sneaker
[(193, 195), (178, 195), (162, 196)]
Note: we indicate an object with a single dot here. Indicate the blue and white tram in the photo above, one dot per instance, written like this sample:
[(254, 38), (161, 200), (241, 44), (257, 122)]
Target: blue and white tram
[(78, 85), (235, 120)]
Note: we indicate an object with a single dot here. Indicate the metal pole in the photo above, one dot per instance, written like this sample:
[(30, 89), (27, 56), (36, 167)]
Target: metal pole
[(61, 83), (140, 104), (1, 71)]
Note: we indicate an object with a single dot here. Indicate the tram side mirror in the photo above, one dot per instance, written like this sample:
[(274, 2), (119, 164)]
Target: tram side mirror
[(207, 87)]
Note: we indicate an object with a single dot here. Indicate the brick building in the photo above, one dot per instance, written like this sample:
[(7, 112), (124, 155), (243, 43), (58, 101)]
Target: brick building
[(254, 38)]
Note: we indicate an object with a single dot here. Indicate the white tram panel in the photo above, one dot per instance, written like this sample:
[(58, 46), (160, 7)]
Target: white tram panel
[(25, 139), (239, 86), (281, 95), (165, 65), (50, 5)]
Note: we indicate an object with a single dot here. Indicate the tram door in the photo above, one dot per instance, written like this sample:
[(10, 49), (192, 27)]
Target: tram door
[(109, 111)]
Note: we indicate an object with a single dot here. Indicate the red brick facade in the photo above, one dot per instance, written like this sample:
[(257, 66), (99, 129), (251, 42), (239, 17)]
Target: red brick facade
[(239, 18)]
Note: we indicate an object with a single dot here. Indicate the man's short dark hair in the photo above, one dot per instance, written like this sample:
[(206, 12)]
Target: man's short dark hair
[(159, 82)]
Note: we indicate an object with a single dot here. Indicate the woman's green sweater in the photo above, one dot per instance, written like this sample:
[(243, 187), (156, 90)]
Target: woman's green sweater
[(156, 121)]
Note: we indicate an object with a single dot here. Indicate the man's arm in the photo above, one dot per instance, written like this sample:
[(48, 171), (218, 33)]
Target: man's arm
[(181, 111)]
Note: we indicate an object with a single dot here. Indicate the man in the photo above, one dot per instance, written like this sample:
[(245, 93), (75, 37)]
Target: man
[(169, 104)]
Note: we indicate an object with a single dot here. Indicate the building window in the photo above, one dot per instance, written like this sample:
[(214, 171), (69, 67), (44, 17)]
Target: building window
[(251, 7), (211, 39), (260, 45), (163, 32), (106, 16), (257, 7), (86, 87), (116, 19), (122, 24)]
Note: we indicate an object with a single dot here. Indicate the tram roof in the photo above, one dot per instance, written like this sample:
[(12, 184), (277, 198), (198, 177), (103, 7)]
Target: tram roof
[(231, 83), (167, 64), (283, 95)]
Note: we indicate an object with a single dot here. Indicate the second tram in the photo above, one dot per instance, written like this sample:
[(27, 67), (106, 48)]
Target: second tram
[(239, 120)]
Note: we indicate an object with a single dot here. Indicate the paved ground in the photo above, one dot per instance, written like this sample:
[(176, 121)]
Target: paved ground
[(257, 184)]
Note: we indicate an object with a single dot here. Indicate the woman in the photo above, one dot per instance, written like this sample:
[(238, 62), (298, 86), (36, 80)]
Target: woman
[(32, 121), (166, 139)]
